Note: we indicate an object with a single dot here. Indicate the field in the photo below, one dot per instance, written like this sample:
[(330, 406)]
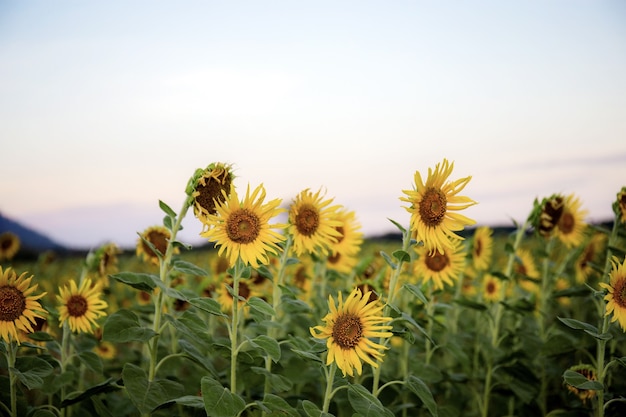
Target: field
[(502, 323)]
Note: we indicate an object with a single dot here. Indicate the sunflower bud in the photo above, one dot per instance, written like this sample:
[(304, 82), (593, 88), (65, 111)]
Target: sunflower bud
[(207, 188)]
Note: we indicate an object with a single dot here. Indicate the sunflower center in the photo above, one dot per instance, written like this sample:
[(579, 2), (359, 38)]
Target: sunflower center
[(211, 191), (347, 331), (77, 306), (478, 248), (12, 303), (436, 261), (433, 207), (243, 226), (619, 292), (491, 288), (307, 220), (5, 244), (158, 240), (566, 225), (334, 258)]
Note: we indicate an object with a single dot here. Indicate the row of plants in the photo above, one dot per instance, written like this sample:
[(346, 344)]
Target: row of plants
[(291, 311)]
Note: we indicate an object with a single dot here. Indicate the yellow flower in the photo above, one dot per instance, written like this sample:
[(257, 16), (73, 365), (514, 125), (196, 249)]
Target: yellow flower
[(482, 248), (588, 372), (548, 214), (312, 223), (619, 207), (9, 245), (225, 298), (616, 297), (106, 350), (433, 205), (159, 237), (570, 228), (209, 187), (591, 252), (242, 230), (348, 329), (492, 288), (106, 256), (440, 267), (81, 306), (19, 308), (525, 264)]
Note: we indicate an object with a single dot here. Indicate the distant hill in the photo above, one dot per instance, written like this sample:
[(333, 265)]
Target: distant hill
[(30, 240)]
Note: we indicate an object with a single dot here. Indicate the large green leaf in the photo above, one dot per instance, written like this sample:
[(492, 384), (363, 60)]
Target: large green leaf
[(208, 305), (278, 406), (30, 371), (365, 404), (148, 395), (261, 306), (268, 345), (139, 281), (419, 388), (218, 400), (188, 268), (312, 410), (123, 326), (580, 381)]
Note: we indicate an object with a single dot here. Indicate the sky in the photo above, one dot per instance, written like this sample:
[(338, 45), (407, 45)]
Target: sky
[(108, 107)]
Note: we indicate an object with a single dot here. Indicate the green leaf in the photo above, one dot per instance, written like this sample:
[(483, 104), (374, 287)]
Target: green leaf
[(398, 225), (148, 395), (208, 305), (364, 403), (580, 381), (139, 281), (282, 407), (167, 209), (30, 371), (312, 410), (41, 336), (123, 326), (91, 361), (389, 261), (413, 289), (188, 268), (219, 401), (186, 400), (419, 388), (307, 355), (401, 256), (470, 304), (277, 382), (261, 306), (268, 345), (578, 325), (107, 386)]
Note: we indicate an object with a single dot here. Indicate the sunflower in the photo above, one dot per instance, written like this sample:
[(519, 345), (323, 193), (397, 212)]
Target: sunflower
[(349, 237), (616, 297), (9, 245), (242, 230), (571, 227), (313, 223), (588, 372), (482, 248), (209, 189), (546, 215), (80, 306), (19, 308), (348, 329), (225, 298), (105, 350), (492, 288), (159, 237), (432, 207), (440, 267), (106, 256), (592, 250), (524, 265), (619, 207)]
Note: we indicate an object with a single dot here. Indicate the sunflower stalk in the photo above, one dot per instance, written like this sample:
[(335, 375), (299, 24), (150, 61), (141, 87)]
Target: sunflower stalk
[(11, 355), (233, 329)]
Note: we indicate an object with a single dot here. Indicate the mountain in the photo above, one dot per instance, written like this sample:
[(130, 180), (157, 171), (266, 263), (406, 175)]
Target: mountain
[(30, 240)]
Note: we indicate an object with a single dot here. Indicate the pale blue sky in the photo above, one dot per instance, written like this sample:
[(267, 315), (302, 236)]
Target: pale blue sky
[(107, 107)]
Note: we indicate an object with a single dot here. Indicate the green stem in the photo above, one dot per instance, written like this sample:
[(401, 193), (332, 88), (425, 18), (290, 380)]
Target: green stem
[(328, 393), (234, 326), (430, 312), (11, 355)]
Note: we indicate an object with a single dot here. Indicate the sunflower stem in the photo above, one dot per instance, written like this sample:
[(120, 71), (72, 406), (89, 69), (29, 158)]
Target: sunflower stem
[(328, 393), (234, 329), (11, 355)]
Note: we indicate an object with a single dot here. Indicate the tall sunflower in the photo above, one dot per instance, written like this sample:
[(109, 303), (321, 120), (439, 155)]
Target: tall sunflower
[(243, 229), (482, 248), (19, 308), (343, 253), (440, 267), (349, 327), (208, 189), (9, 245), (571, 226), (159, 237), (616, 296), (312, 223), (433, 206), (81, 306)]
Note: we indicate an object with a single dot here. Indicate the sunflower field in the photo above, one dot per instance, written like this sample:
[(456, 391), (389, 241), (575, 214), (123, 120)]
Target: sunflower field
[(290, 311)]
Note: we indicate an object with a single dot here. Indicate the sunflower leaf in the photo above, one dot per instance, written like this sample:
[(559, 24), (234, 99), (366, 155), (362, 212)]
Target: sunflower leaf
[(579, 325), (167, 209), (218, 400), (139, 281), (578, 380), (398, 225), (188, 268), (402, 256), (416, 292), (388, 259), (275, 403), (277, 382), (268, 345), (312, 410), (261, 306), (123, 326), (91, 360), (148, 395), (31, 370), (208, 305), (364, 403), (420, 389), (192, 401)]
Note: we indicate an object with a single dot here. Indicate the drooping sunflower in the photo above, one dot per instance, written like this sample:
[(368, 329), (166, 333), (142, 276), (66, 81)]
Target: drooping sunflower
[(349, 327), (159, 237), (440, 267), (106, 256), (590, 254), (571, 226), (312, 223), (547, 213), (619, 206), (589, 372), (433, 206), (19, 308), (482, 248), (9, 245), (243, 229), (210, 188), (616, 296), (81, 306)]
